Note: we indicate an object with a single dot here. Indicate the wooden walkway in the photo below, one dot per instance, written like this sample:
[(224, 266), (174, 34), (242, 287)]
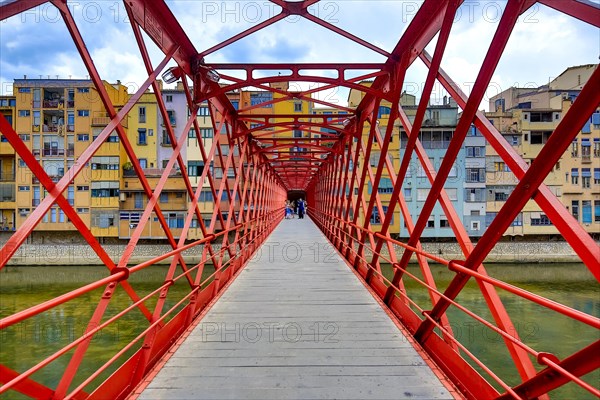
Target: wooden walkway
[(296, 324)]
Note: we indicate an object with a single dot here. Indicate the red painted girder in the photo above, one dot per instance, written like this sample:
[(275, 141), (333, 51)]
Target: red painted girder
[(421, 30), (271, 149), (583, 10), (572, 231), (242, 35), (578, 364), (263, 81), (12, 8), (297, 67), (301, 95), (157, 20)]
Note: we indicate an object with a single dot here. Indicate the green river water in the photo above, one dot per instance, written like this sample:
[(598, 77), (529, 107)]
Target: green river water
[(26, 343)]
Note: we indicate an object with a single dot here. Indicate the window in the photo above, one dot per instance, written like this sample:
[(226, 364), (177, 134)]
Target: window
[(166, 140), (473, 195), (192, 133), (444, 223), (24, 113), (81, 210), (24, 137), (22, 163), (574, 176), (83, 137), (475, 225), (83, 113), (518, 220), (586, 211), (164, 197), (500, 166), (540, 137), (105, 189), (83, 90), (297, 133), (539, 219), (383, 111), (575, 209), (169, 98), (475, 175), (586, 178), (83, 188), (24, 90), (143, 163), (586, 148), (596, 176), (431, 222), (207, 133), (230, 173), (541, 117), (596, 210), (260, 98), (203, 111), (23, 188), (195, 168), (206, 196), (105, 163), (452, 193), (141, 140), (376, 219), (408, 194), (574, 149), (475, 151), (596, 147), (171, 114), (141, 114), (422, 194), (385, 186), (297, 107), (236, 105)]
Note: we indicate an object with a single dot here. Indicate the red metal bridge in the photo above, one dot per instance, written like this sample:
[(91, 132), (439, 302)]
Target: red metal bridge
[(327, 173)]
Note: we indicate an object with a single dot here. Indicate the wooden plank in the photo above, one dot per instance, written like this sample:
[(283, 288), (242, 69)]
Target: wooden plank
[(296, 324)]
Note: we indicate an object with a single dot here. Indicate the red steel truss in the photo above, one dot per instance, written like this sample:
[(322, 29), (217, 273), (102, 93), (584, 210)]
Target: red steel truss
[(267, 162)]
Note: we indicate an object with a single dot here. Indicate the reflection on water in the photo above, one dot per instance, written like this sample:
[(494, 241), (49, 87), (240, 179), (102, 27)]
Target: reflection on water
[(25, 344)]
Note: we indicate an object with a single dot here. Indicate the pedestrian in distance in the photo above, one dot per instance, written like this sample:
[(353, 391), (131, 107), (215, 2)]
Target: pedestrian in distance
[(301, 209)]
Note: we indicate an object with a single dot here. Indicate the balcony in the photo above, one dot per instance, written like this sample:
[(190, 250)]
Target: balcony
[(53, 152), (103, 121), (7, 192), (54, 103), (53, 178), (150, 172), (7, 177)]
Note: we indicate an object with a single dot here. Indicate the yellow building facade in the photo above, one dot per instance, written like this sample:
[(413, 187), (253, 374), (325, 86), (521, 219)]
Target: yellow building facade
[(58, 120)]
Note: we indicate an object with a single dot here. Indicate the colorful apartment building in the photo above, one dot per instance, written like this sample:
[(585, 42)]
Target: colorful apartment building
[(7, 168), (526, 118), (58, 119)]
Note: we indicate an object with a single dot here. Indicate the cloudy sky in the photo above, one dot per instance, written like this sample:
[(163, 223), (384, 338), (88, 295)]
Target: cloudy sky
[(543, 44)]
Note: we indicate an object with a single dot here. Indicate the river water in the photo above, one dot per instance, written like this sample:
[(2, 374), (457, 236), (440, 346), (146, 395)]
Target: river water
[(25, 344)]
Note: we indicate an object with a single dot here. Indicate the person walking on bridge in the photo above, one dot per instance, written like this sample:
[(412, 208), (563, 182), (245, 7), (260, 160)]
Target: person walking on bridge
[(300, 204)]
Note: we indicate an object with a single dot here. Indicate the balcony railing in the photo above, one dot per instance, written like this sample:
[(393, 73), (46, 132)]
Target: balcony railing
[(7, 177), (103, 121), (128, 173), (53, 152)]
